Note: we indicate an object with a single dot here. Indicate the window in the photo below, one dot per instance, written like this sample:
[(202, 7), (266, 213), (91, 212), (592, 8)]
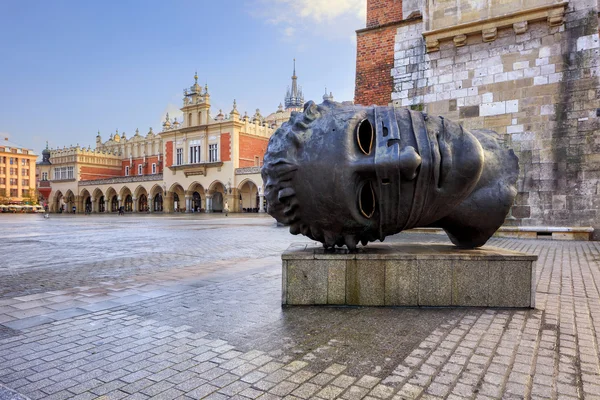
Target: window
[(12, 171), (12, 160), (14, 192), (24, 182), (179, 159), (2, 181), (24, 172), (127, 171), (25, 192), (195, 154), (2, 158), (64, 173), (212, 153), (153, 168), (190, 119), (256, 161), (44, 176), (23, 161), (140, 169), (13, 181)]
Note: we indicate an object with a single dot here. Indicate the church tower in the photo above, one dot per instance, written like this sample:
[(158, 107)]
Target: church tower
[(294, 99)]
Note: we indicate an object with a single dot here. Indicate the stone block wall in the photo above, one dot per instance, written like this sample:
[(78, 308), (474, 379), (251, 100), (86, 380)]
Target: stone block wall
[(536, 82)]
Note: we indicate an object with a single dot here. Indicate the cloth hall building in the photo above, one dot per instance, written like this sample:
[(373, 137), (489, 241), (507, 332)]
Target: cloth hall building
[(198, 164)]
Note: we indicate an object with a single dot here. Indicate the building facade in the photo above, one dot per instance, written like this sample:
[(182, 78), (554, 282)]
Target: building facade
[(198, 164), (17, 174), (526, 69)]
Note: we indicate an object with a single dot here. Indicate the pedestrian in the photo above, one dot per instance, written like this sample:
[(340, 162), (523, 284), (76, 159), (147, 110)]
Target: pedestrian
[(226, 208)]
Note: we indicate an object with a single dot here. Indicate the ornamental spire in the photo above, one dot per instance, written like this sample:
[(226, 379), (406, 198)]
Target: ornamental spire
[(294, 98)]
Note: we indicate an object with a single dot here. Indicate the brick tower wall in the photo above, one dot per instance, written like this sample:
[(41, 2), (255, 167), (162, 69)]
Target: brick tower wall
[(375, 52)]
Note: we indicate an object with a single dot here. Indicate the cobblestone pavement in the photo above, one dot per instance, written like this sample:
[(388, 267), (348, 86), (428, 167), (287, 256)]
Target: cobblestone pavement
[(188, 307)]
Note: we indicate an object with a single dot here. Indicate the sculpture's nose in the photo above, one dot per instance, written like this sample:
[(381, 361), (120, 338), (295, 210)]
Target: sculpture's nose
[(410, 161)]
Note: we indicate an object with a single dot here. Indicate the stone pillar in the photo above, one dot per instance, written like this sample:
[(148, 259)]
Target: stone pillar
[(135, 204), (93, 201), (106, 206), (168, 203), (209, 203), (261, 207), (188, 203), (151, 204), (120, 201), (230, 199), (78, 204)]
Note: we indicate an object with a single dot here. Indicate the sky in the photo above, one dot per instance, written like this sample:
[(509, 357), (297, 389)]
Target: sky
[(72, 68)]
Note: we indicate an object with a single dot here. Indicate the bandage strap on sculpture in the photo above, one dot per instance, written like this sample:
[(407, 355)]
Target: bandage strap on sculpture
[(393, 213)]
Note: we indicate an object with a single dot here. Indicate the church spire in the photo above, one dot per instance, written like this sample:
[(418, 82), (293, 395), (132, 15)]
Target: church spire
[(294, 99)]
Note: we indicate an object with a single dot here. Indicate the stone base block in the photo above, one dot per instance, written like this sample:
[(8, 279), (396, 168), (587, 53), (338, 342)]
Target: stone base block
[(416, 274)]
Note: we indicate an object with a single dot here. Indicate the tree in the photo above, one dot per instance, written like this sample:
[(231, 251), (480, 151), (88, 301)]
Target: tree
[(3, 197)]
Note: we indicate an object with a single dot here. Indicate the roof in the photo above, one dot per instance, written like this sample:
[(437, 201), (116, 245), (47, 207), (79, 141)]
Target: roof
[(13, 145)]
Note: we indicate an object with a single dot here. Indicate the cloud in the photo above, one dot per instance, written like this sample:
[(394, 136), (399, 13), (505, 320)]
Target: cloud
[(173, 111), (289, 31), (331, 19)]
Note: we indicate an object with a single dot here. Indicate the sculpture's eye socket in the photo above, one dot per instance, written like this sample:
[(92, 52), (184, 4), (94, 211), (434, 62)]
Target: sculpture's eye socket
[(366, 200), (364, 136)]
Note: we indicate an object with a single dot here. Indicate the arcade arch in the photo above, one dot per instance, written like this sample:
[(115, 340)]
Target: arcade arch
[(98, 204), (69, 201), (248, 196), (57, 202), (126, 199), (156, 199), (141, 199), (112, 199), (176, 198), (196, 198), (217, 195), (86, 202)]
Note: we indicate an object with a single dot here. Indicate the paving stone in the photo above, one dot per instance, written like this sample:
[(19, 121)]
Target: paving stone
[(236, 321)]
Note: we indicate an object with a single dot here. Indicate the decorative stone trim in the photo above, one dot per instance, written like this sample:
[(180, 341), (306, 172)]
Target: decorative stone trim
[(520, 27), (460, 40), (122, 179), (196, 169), (247, 170), (432, 45), (489, 34), (488, 28)]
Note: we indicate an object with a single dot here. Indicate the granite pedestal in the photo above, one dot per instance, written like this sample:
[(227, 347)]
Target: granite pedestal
[(416, 274)]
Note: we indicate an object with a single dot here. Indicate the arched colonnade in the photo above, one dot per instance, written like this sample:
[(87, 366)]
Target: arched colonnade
[(246, 197)]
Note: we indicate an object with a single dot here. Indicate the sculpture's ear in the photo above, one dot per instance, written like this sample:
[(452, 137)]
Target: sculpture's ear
[(308, 104), (477, 218), (311, 111)]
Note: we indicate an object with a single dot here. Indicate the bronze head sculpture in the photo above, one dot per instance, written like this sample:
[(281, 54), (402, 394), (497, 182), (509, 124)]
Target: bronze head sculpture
[(344, 174)]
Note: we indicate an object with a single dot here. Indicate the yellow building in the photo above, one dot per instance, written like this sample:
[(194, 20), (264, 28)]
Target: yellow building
[(17, 173)]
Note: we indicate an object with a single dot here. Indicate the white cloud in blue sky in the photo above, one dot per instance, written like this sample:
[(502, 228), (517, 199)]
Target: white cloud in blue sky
[(330, 19)]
